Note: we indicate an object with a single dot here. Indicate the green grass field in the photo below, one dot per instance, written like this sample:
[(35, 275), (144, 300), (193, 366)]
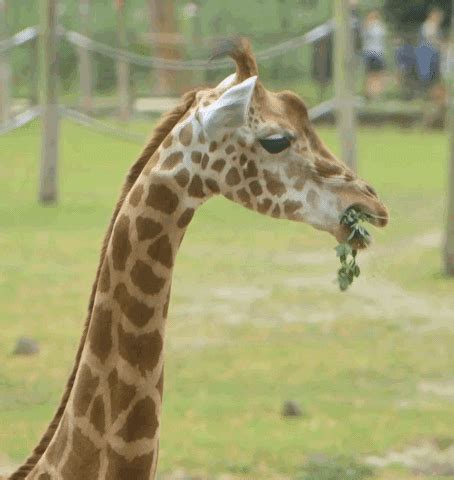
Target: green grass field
[(255, 319)]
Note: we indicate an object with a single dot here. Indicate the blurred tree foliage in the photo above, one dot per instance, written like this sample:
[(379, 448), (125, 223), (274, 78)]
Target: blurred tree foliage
[(408, 15)]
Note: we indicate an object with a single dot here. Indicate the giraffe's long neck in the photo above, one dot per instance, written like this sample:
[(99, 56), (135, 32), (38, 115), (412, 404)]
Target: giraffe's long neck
[(110, 429)]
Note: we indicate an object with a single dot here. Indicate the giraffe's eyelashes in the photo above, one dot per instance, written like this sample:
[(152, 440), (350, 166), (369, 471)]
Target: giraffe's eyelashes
[(275, 143)]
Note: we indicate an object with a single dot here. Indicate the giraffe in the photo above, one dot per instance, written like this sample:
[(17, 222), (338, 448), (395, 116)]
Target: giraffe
[(254, 147)]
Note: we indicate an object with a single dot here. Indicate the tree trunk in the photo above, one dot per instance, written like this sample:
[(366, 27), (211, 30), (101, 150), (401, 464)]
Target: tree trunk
[(5, 92), (123, 75), (85, 65), (345, 82), (164, 45), (50, 130), (449, 245)]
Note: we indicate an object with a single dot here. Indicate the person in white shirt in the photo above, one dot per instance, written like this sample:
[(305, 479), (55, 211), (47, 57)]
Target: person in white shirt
[(373, 41)]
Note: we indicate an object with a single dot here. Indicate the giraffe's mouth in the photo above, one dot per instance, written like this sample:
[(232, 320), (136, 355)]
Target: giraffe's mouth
[(351, 228)]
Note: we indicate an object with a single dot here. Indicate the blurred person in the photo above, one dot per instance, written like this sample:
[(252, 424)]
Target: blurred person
[(405, 57), (429, 50), (373, 40), (428, 56)]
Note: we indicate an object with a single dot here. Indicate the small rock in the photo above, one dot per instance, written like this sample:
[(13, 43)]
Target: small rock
[(26, 346), (290, 408)]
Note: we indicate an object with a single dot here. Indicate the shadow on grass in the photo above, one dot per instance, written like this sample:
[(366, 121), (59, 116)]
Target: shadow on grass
[(323, 467)]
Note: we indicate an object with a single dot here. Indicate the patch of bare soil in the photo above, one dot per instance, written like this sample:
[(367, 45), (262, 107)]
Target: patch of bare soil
[(429, 457)]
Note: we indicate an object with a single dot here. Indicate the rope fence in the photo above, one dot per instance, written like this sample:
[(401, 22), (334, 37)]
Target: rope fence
[(118, 54), (106, 129), (24, 36), (46, 40), (83, 42), (100, 126), (20, 119)]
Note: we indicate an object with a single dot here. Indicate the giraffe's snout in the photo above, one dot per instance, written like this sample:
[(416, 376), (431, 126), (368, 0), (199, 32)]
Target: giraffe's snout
[(368, 201)]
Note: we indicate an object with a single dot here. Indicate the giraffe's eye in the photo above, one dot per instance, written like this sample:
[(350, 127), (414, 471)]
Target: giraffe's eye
[(275, 143)]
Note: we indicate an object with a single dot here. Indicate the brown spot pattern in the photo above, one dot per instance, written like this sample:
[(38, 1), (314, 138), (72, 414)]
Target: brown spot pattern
[(121, 246), (196, 187), (312, 198), (104, 279), (243, 159), (167, 141), (182, 177), (295, 169), (256, 188), (185, 218), (327, 169), (244, 196), (44, 476), (212, 185), (205, 161), (141, 351), (251, 170), (213, 146), (147, 228), (161, 251), (121, 394), (165, 309), (141, 421), (161, 198), (230, 149), (218, 165), (85, 391), (84, 458), (98, 415), (290, 207), (196, 157), (274, 184), (276, 211), (136, 195), (143, 277), (233, 177), (186, 135), (136, 312), (119, 468), (264, 205), (160, 384), (100, 332), (57, 448), (172, 161)]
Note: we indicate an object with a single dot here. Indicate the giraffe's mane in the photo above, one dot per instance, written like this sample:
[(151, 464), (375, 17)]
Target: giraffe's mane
[(160, 132)]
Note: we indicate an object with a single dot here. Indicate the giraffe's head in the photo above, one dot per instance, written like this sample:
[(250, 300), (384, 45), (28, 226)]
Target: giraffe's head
[(261, 151)]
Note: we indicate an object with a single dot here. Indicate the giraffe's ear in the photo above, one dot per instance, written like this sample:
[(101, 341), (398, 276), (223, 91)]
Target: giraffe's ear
[(229, 110)]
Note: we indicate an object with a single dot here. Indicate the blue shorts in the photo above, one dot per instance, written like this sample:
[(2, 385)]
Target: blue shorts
[(374, 62)]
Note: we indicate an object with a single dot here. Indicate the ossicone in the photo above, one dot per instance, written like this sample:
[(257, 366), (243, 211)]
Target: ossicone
[(239, 49)]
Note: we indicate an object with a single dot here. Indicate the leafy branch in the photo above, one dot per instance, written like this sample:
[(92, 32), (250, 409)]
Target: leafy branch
[(350, 270)]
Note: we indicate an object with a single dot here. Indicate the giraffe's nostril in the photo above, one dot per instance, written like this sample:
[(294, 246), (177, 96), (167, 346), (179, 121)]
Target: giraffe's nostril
[(371, 191)]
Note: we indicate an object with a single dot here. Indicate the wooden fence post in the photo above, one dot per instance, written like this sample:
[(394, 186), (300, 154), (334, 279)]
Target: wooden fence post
[(449, 241), (164, 40), (85, 65), (345, 81), (5, 87), (122, 65), (50, 123)]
